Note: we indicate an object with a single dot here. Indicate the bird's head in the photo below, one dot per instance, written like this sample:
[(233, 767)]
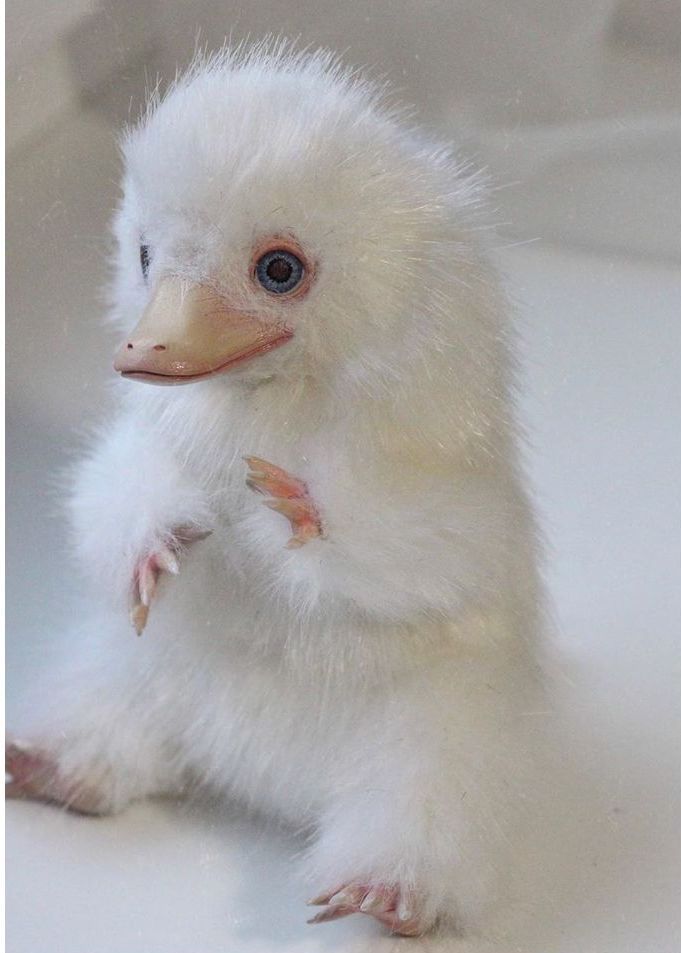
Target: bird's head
[(277, 220)]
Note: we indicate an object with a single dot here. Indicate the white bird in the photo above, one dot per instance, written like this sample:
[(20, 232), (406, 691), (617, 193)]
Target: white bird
[(350, 648)]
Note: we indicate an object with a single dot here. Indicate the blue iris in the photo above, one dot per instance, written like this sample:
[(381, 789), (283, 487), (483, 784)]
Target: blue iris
[(279, 271)]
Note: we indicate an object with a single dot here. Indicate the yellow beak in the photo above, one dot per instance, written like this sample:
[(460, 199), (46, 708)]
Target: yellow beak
[(189, 332)]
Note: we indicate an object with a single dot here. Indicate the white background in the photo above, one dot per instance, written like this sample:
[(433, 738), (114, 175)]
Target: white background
[(574, 108)]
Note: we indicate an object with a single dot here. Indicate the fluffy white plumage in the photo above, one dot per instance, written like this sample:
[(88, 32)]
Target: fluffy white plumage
[(368, 686)]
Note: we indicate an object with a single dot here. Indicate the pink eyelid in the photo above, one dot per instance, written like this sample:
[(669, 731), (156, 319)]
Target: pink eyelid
[(284, 243)]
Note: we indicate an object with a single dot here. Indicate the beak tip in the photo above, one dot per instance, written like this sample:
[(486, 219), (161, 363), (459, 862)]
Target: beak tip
[(120, 363)]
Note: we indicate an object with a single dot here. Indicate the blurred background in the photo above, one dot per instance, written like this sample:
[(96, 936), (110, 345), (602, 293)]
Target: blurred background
[(574, 108)]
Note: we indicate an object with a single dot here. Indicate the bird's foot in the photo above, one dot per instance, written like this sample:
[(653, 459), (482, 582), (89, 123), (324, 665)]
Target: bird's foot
[(147, 573), (289, 496), (33, 774), (396, 908)]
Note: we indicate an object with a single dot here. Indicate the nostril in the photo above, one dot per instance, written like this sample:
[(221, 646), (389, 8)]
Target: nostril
[(130, 347), (159, 347)]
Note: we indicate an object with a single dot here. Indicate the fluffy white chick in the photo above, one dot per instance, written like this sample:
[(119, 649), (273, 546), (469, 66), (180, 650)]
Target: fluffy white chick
[(311, 269)]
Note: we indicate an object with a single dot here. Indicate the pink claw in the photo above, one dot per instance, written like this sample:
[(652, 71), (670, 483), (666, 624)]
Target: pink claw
[(34, 775), (289, 496), (148, 572), (394, 908), (145, 583)]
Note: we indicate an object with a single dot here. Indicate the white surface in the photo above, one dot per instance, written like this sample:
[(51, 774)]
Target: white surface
[(602, 397)]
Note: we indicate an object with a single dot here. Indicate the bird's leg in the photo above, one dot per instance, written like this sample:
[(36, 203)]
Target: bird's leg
[(164, 558), (34, 775), (395, 908), (289, 496)]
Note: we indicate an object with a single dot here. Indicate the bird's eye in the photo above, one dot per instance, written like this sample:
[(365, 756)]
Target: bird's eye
[(145, 259), (279, 271)]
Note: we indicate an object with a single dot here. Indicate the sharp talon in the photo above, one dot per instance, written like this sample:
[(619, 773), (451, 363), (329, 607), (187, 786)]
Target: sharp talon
[(347, 897), (264, 468), (138, 617), (340, 899), (147, 584), (331, 913), (319, 901), (150, 567)]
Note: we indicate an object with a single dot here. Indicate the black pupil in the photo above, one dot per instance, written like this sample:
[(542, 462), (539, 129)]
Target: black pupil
[(279, 270)]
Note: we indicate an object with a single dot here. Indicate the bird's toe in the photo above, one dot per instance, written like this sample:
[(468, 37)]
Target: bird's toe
[(289, 496), (33, 774), (395, 908)]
